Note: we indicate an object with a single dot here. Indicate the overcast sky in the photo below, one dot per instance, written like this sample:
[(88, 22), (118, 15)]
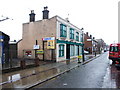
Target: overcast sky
[(98, 17)]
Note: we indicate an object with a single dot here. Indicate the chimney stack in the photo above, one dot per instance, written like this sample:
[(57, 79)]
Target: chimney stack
[(91, 36), (87, 33), (45, 13), (32, 16)]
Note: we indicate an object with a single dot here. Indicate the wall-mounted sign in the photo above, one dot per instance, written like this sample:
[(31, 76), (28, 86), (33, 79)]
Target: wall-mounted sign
[(39, 52), (50, 44), (89, 39), (28, 53), (36, 47), (48, 38)]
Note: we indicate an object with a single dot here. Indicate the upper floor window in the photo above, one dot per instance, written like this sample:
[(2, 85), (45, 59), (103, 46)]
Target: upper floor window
[(71, 33), (81, 37), (63, 30), (77, 36)]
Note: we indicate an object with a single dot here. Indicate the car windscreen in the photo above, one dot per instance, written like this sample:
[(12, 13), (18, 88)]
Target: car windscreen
[(113, 49)]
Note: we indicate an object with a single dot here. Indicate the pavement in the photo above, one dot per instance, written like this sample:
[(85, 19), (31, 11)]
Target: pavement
[(30, 77)]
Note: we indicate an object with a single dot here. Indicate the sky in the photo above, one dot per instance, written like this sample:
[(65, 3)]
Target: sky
[(98, 17)]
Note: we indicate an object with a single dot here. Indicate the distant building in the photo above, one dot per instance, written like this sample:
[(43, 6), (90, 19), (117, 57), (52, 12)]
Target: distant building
[(87, 43), (90, 44), (53, 39), (4, 47), (101, 45)]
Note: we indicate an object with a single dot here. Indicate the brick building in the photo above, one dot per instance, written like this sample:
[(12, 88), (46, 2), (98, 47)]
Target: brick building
[(87, 43), (90, 44)]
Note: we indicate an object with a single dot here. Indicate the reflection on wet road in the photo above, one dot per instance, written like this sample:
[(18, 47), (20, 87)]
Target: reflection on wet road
[(115, 76), (31, 76), (112, 77), (96, 74), (16, 82)]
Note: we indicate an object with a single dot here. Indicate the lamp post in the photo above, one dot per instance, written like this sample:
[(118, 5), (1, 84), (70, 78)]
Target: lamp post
[(82, 40), (83, 45)]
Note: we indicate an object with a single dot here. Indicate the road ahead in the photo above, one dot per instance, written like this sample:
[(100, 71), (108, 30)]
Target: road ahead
[(95, 74)]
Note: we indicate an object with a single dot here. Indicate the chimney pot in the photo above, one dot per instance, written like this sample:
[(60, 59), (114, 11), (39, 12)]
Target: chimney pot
[(32, 16), (45, 13), (87, 33), (91, 36)]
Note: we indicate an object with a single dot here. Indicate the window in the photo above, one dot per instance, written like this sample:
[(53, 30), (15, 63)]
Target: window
[(77, 36), (61, 50), (63, 30), (72, 50), (81, 37), (71, 33), (113, 49)]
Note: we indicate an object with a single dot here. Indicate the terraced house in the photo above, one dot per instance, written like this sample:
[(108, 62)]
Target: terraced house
[(53, 39)]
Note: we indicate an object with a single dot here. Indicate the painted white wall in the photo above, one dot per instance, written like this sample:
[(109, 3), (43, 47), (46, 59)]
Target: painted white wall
[(76, 29), (57, 55), (69, 25)]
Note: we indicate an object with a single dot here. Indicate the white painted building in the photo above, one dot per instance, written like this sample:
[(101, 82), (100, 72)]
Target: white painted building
[(71, 41)]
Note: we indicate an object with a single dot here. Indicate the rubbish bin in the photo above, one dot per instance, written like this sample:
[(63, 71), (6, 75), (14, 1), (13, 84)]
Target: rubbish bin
[(22, 64), (37, 61), (68, 61)]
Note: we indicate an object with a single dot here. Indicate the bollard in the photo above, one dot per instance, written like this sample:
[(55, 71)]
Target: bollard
[(22, 64), (68, 61), (37, 61), (79, 60)]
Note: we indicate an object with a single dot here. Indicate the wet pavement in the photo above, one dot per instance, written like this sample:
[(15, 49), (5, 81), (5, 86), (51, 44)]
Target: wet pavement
[(28, 77), (90, 75), (95, 74)]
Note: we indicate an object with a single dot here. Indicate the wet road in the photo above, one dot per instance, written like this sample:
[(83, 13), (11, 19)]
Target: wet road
[(95, 74)]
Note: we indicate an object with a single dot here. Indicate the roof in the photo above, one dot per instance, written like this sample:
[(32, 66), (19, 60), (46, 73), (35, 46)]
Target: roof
[(56, 16), (115, 44)]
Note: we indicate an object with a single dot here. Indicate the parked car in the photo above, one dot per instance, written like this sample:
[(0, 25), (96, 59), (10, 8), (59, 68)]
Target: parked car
[(114, 54)]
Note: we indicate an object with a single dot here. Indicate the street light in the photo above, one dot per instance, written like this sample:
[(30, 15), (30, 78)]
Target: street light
[(79, 57), (83, 44)]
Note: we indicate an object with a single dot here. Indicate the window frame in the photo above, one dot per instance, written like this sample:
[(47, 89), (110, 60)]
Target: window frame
[(71, 33), (61, 50), (63, 30), (77, 36)]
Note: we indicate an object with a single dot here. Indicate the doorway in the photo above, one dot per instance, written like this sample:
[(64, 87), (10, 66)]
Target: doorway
[(67, 51)]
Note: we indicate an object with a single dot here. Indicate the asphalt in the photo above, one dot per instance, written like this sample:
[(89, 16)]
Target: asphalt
[(30, 77)]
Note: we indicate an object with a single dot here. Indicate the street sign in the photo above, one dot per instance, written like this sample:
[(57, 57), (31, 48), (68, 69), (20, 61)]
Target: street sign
[(36, 47), (48, 38), (50, 44), (80, 56), (39, 52)]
